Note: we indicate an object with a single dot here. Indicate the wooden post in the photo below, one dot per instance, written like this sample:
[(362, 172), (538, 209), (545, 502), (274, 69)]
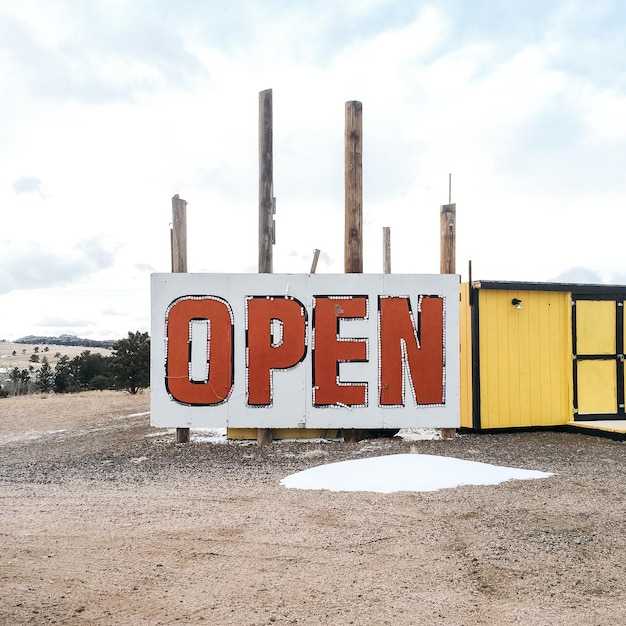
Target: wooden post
[(267, 206), (447, 258), (447, 222), (179, 264), (267, 203), (386, 250), (353, 242), (316, 256), (353, 236), (179, 234)]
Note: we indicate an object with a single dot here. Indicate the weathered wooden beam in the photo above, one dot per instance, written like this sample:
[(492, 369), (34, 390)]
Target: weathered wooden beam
[(179, 234), (353, 237), (447, 222), (267, 204), (179, 264), (447, 256), (316, 257)]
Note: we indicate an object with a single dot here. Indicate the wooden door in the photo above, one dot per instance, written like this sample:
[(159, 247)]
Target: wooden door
[(598, 343)]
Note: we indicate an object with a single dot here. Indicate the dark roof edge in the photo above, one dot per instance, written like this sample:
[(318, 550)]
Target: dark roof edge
[(575, 288)]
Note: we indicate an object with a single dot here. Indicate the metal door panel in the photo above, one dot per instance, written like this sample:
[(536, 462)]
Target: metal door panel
[(597, 391), (598, 344)]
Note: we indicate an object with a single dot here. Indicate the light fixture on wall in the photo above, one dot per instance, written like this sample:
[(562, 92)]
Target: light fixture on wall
[(517, 303)]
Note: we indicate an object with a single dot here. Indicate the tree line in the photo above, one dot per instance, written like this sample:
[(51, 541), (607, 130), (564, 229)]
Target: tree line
[(67, 340), (127, 368)]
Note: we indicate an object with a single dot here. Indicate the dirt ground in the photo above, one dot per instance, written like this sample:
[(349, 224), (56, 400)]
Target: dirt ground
[(104, 520)]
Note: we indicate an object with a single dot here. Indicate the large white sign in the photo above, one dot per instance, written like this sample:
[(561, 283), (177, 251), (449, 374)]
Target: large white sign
[(298, 350)]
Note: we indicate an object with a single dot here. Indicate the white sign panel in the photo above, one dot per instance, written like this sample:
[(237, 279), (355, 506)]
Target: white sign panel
[(300, 350)]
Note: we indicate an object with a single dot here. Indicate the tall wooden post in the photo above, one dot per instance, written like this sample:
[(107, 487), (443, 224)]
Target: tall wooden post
[(447, 257), (353, 236), (179, 235), (267, 205), (447, 223), (353, 241), (179, 264)]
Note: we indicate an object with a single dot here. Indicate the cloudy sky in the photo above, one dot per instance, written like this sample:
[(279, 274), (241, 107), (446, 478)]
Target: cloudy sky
[(111, 107)]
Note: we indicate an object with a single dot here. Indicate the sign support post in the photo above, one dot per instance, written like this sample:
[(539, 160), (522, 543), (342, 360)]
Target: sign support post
[(447, 259), (179, 264), (353, 236), (267, 205)]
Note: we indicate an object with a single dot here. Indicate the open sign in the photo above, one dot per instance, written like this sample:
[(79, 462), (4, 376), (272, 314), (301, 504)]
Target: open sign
[(315, 351)]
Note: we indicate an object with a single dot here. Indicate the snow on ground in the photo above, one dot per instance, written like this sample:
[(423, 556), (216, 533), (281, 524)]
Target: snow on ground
[(383, 474), (388, 474), (405, 472), (419, 434), (209, 435), (31, 435), (218, 435)]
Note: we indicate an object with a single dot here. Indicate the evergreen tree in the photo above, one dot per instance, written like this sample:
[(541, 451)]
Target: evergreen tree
[(44, 378), (130, 362), (20, 380), (86, 367), (63, 377)]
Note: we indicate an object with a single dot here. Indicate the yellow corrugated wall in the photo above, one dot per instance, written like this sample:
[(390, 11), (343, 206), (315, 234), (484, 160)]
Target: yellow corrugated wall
[(525, 358), (465, 327)]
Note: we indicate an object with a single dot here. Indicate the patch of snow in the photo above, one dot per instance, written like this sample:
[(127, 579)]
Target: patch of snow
[(218, 435), (29, 436), (208, 435), (197, 435), (307, 440), (405, 472), (419, 434)]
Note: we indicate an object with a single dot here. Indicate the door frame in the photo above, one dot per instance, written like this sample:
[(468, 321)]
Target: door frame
[(617, 357)]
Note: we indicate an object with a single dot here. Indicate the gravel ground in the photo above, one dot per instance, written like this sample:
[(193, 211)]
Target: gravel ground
[(102, 522)]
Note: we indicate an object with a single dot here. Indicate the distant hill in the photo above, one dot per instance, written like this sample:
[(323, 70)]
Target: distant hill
[(67, 340)]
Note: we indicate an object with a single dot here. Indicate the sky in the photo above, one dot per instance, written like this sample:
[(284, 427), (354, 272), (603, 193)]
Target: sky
[(110, 108)]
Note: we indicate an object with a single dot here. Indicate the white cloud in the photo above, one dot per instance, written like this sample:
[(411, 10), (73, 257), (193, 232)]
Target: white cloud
[(118, 106), (31, 266), (63, 322), (30, 184)]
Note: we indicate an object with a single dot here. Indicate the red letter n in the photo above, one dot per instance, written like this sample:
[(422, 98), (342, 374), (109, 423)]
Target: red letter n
[(416, 347)]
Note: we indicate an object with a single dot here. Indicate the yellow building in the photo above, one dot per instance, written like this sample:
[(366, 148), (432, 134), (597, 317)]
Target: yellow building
[(541, 354)]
